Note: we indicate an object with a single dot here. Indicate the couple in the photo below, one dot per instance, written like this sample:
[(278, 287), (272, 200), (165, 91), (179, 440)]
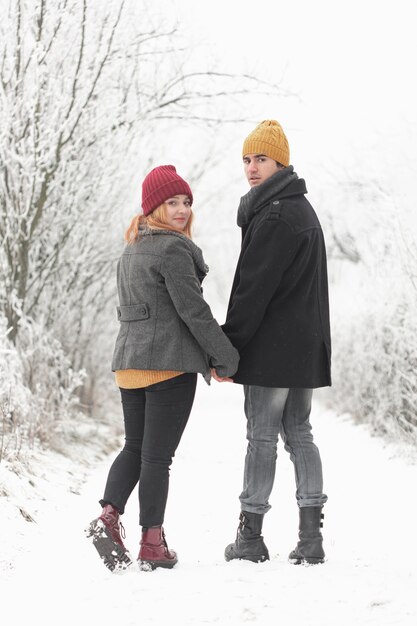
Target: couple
[(277, 322)]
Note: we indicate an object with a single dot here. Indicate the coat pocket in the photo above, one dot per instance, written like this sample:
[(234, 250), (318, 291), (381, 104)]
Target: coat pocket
[(132, 312)]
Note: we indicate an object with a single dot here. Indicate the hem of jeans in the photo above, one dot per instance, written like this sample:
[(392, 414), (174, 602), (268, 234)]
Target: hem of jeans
[(305, 505), (120, 509), (255, 509)]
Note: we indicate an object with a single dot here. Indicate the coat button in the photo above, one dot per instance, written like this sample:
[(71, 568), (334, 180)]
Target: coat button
[(275, 202), (143, 311)]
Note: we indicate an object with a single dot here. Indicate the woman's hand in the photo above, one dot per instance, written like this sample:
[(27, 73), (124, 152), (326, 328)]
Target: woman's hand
[(219, 378)]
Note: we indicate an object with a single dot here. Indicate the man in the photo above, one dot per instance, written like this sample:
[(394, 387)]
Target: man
[(278, 319)]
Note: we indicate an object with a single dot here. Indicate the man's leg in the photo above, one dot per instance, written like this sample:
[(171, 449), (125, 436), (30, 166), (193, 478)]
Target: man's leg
[(297, 435), (264, 408), (298, 440)]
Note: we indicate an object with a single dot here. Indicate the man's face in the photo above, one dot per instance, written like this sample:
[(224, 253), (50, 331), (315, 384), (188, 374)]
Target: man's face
[(259, 167)]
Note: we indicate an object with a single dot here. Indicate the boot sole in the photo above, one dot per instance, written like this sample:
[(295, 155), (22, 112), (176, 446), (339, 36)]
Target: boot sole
[(112, 555), (256, 558), (149, 566), (306, 561)]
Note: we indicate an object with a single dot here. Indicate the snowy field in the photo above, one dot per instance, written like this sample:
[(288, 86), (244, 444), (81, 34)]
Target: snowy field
[(51, 574)]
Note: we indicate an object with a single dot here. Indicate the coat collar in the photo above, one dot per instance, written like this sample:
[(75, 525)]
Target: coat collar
[(196, 252), (283, 184)]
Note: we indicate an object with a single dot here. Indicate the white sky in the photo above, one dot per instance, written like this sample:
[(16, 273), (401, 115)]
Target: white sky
[(351, 63)]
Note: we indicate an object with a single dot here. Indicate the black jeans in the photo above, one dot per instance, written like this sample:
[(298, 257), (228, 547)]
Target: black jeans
[(155, 418)]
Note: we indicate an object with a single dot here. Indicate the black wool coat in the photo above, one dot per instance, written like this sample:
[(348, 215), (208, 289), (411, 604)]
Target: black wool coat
[(278, 313)]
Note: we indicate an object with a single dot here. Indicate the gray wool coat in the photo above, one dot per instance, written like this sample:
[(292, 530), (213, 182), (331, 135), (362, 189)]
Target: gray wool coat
[(165, 323)]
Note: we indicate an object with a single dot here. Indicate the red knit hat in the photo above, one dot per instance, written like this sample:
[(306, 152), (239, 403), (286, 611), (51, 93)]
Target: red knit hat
[(160, 184)]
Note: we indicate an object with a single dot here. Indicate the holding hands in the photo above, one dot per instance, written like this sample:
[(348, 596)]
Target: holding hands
[(219, 378)]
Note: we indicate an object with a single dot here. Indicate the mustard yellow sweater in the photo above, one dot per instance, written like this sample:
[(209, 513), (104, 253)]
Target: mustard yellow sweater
[(136, 379)]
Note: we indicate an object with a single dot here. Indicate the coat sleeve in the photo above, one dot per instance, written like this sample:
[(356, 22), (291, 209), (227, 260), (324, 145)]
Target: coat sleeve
[(262, 264), (185, 291)]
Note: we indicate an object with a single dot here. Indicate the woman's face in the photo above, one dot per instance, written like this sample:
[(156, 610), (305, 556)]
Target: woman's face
[(178, 210)]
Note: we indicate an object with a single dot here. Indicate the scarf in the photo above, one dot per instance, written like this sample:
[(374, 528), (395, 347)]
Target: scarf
[(262, 194)]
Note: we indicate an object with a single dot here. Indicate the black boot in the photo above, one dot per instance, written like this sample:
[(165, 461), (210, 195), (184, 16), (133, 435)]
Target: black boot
[(309, 548), (249, 544)]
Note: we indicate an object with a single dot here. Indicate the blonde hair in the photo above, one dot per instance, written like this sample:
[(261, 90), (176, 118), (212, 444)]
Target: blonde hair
[(158, 220)]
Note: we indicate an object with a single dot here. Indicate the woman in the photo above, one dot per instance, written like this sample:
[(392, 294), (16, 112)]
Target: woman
[(167, 335)]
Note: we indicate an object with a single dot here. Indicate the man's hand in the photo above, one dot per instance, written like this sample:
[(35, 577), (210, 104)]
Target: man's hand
[(219, 378)]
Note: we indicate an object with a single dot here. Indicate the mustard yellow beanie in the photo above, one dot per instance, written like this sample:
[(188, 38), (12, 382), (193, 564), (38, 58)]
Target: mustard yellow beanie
[(268, 138)]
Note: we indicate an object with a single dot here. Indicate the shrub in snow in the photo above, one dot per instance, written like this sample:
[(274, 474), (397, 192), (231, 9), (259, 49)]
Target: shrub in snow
[(37, 388), (373, 269), (15, 397), (375, 365)]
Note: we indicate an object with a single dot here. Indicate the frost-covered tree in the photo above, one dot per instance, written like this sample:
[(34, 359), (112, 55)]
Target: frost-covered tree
[(79, 81), (83, 85)]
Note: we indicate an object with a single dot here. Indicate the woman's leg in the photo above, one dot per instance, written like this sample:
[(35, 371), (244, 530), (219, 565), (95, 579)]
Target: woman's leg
[(167, 405), (125, 470)]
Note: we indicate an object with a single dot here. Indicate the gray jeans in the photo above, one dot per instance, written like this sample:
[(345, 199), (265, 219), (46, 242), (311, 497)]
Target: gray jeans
[(271, 412)]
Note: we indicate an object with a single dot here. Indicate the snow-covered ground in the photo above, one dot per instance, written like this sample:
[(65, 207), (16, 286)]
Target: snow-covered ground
[(51, 574)]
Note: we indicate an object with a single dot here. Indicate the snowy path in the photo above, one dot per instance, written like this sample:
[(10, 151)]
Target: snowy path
[(370, 577)]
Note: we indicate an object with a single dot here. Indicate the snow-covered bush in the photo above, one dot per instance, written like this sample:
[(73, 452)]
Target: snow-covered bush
[(375, 365), (372, 246), (37, 389), (15, 397)]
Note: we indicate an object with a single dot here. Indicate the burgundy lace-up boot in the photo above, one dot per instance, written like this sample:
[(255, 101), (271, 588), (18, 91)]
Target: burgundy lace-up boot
[(154, 551), (106, 533)]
